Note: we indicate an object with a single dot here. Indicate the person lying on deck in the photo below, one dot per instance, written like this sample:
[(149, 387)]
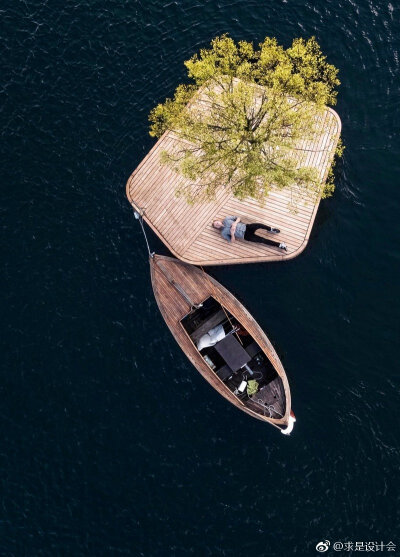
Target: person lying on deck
[(232, 229)]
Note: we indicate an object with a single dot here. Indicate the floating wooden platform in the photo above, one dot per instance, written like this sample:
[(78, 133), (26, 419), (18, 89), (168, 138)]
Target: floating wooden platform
[(187, 229)]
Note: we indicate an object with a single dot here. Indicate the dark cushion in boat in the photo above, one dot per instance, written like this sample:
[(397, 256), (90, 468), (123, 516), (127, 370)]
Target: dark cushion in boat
[(253, 349), (224, 373), (232, 352)]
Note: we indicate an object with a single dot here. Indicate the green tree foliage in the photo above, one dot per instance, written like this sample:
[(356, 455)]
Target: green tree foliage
[(244, 121)]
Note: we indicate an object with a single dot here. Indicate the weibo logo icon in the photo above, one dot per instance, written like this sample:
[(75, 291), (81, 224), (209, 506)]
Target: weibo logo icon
[(323, 546)]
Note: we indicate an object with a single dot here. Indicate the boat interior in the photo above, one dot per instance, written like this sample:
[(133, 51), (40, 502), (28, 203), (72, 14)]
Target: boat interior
[(233, 355)]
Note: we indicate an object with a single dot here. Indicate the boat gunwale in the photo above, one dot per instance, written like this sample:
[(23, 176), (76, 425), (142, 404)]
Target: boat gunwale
[(196, 358)]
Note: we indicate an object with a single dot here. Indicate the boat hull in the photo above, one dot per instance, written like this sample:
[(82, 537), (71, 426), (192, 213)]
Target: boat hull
[(167, 276)]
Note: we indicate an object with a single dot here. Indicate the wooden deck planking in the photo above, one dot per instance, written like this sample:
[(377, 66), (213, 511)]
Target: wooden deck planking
[(273, 218), (210, 238), (205, 213), (149, 167), (290, 228), (170, 211), (235, 252), (282, 213), (216, 251), (186, 229)]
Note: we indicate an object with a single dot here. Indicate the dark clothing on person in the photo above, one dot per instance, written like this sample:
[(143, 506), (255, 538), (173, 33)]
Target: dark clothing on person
[(251, 236)]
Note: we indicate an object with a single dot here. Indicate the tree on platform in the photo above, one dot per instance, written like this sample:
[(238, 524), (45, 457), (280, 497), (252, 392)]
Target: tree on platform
[(246, 120)]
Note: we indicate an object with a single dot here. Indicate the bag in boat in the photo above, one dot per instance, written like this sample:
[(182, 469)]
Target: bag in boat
[(212, 337)]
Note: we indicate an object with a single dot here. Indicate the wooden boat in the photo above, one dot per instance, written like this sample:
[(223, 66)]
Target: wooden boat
[(222, 340)]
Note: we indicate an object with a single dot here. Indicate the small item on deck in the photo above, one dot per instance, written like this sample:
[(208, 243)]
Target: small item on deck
[(242, 386), (209, 361), (252, 387)]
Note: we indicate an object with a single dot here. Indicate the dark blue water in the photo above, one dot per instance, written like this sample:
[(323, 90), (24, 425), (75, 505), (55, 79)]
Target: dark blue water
[(111, 443)]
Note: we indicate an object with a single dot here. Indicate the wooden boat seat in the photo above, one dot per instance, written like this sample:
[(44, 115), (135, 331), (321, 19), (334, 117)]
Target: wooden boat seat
[(211, 322)]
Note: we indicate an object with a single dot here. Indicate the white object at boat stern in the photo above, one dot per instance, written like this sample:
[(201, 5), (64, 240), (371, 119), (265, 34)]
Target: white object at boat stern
[(288, 430)]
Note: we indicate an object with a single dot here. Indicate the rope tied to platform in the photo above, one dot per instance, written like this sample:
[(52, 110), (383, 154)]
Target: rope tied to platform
[(139, 217)]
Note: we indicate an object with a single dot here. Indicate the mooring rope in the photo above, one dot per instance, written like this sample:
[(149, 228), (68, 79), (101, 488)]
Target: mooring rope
[(139, 217), (269, 407)]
